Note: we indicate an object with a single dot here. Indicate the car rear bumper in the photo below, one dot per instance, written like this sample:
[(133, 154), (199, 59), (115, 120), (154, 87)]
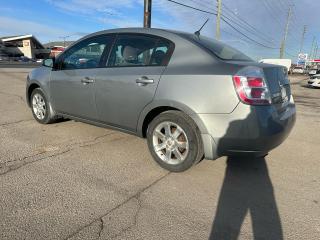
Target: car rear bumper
[(314, 82), (247, 130)]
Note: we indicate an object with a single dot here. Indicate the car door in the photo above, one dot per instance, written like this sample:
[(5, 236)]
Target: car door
[(129, 81), (73, 77)]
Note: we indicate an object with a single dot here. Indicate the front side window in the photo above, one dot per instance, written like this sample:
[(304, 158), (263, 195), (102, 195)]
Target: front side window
[(86, 54), (140, 50)]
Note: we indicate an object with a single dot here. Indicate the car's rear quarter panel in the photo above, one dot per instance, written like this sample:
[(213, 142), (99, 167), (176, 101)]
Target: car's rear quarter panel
[(195, 78), (202, 93)]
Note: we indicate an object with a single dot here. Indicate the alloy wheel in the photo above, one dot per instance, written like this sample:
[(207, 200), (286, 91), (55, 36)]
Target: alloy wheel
[(39, 106), (170, 143)]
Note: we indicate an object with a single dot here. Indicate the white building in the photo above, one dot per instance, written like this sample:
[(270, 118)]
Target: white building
[(24, 45)]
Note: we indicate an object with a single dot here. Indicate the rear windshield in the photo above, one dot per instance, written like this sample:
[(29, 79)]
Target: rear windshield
[(221, 50)]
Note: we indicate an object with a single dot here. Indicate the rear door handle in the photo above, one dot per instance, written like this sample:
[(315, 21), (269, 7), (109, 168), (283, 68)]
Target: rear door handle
[(87, 80), (144, 80)]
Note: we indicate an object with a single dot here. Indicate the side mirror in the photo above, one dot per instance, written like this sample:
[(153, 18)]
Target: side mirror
[(48, 62)]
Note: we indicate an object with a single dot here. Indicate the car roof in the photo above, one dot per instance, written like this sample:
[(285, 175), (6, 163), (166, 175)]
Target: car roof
[(155, 31), (172, 35)]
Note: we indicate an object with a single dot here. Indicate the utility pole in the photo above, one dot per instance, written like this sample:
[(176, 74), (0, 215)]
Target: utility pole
[(147, 13), (219, 5), (302, 39), (64, 39), (283, 43), (68, 36), (315, 50), (312, 46)]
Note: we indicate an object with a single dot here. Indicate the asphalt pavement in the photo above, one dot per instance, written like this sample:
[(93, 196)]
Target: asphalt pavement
[(21, 65), (71, 180)]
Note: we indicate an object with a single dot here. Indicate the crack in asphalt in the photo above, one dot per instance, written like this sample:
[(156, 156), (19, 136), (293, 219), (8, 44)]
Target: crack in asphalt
[(93, 142), (135, 219), (23, 161), (21, 164), (14, 95), (135, 196), (101, 227), (16, 122), (5, 164)]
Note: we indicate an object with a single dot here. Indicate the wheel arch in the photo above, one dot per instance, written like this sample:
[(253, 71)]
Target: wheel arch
[(155, 108), (30, 89)]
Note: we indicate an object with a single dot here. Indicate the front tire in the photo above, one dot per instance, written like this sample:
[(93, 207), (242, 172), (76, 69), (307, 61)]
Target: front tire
[(174, 141), (40, 107)]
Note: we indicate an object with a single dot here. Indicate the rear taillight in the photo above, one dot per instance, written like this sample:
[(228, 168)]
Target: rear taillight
[(251, 86)]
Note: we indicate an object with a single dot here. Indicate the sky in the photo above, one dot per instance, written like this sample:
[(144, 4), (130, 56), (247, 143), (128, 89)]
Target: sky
[(256, 27)]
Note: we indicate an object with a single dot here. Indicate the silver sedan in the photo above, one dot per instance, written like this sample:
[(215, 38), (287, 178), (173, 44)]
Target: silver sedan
[(190, 96)]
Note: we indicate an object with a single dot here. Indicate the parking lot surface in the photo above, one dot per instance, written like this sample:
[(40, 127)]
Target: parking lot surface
[(71, 180)]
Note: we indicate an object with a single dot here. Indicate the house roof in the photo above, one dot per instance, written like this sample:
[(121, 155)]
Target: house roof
[(21, 37), (9, 37)]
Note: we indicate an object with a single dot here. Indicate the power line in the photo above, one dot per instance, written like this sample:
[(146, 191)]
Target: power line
[(283, 4), (291, 55), (200, 3), (277, 8), (247, 36), (302, 39), (194, 8), (219, 6), (261, 34), (283, 44), (312, 46), (246, 26), (269, 9), (240, 37), (272, 9), (298, 26), (223, 18)]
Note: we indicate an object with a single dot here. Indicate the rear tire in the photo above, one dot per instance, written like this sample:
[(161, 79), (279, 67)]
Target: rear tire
[(174, 141), (40, 107)]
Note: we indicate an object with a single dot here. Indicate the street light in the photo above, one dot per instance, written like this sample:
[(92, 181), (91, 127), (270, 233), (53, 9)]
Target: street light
[(65, 37)]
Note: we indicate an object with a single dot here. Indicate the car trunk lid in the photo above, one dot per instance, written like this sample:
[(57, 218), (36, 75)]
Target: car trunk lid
[(278, 84)]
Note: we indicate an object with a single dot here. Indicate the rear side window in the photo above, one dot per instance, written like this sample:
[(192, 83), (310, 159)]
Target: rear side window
[(140, 50), (219, 49)]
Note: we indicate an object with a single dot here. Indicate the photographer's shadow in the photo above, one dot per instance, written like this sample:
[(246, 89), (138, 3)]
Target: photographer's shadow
[(247, 188)]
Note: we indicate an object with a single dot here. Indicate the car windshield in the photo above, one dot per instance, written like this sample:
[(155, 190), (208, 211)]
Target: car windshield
[(220, 49)]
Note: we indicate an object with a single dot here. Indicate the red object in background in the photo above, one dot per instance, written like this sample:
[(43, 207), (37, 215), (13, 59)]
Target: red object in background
[(316, 60), (56, 50)]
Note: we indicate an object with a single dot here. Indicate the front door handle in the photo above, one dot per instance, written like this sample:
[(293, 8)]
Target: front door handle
[(144, 81), (87, 80)]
